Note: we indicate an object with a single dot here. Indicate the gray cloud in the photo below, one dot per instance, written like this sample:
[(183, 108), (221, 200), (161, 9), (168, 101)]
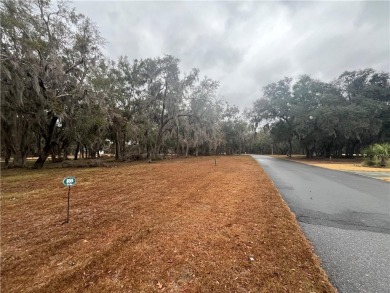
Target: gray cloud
[(246, 45)]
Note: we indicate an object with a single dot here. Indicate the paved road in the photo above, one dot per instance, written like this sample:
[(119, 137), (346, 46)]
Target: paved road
[(345, 216)]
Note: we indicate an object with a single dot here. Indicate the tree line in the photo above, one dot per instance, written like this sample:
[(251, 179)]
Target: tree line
[(337, 119), (61, 97)]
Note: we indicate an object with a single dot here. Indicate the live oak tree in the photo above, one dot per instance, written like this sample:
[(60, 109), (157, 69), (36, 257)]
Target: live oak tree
[(327, 118), (18, 84), (275, 107), (166, 91), (200, 127), (368, 95), (234, 130), (45, 58)]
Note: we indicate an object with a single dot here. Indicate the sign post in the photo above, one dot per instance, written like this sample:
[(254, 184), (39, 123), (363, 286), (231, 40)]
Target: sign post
[(68, 181)]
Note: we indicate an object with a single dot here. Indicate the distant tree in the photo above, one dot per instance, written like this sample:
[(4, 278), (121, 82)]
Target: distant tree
[(368, 110), (235, 131), (275, 107), (327, 119), (200, 128), (165, 95)]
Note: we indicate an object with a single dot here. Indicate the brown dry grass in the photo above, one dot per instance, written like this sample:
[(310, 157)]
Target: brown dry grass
[(173, 226), (339, 164)]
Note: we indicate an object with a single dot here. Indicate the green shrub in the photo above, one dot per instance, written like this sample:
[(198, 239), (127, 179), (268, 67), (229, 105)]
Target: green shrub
[(377, 155)]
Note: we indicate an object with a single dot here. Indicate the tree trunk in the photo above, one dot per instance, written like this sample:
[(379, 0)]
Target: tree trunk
[(39, 145), (123, 148), (147, 151), (8, 150), (157, 147), (66, 153), (92, 153), (309, 152), (48, 145), (76, 152), (19, 160), (59, 152), (187, 148), (177, 140), (117, 148), (87, 152), (53, 154), (350, 149), (43, 156), (289, 148), (19, 141), (82, 152), (7, 156), (139, 148)]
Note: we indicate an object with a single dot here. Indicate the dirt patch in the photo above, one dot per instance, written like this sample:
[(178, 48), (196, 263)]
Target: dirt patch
[(182, 225)]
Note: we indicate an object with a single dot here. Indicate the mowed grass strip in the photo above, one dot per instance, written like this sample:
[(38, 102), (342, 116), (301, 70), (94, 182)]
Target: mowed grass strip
[(183, 225)]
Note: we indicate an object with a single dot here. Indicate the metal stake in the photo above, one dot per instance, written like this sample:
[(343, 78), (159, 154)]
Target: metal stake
[(67, 219)]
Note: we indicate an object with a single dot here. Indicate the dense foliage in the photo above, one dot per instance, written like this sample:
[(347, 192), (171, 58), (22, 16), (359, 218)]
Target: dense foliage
[(61, 96), (326, 119), (377, 155)]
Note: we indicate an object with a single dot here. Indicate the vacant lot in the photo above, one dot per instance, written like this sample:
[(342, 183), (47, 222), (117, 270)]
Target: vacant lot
[(182, 225)]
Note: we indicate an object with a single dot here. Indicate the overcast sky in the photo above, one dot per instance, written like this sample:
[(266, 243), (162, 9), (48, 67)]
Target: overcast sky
[(246, 45)]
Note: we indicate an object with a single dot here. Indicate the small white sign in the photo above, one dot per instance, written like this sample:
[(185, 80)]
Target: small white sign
[(69, 181)]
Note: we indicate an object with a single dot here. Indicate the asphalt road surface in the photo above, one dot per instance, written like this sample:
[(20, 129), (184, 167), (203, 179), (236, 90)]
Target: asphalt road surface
[(345, 216)]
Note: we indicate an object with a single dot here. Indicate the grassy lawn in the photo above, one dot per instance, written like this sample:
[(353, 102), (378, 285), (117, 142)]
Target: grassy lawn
[(183, 225)]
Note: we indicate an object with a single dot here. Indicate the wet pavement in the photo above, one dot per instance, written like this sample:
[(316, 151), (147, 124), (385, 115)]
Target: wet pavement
[(345, 216)]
